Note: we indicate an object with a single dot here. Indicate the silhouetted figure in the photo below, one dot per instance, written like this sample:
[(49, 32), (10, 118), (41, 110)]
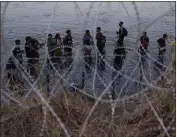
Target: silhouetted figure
[(87, 42), (144, 45), (162, 44), (121, 34), (67, 41), (31, 48), (101, 41), (68, 44)]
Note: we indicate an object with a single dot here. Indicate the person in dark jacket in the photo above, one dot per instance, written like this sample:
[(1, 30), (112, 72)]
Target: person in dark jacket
[(31, 48), (120, 34), (101, 41), (162, 44), (67, 41), (87, 42), (120, 40)]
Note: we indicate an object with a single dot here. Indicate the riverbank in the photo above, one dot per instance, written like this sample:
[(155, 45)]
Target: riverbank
[(131, 117)]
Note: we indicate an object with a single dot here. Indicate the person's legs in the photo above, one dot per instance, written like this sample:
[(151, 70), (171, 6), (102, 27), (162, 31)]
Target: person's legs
[(90, 58)]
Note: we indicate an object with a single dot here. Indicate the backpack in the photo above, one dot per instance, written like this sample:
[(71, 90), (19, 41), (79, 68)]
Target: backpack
[(125, 32)]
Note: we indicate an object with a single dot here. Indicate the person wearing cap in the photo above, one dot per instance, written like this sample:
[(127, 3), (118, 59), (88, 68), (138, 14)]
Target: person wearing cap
[(87, 42), (67, 41)]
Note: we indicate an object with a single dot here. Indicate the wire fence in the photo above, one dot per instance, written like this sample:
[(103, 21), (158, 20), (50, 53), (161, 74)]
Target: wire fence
[(100, 78)]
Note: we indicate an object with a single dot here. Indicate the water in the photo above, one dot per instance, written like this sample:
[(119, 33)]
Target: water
[(23, 19)]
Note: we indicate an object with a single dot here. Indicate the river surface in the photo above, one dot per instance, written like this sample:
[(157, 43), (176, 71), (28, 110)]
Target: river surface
[(37, 19)]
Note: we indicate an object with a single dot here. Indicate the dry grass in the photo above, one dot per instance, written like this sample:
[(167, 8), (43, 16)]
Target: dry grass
[(130, 119), (73, 112)]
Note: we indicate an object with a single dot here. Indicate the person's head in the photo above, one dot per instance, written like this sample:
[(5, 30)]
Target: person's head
[(98, 29), (165, 36), (17, 42), (68, 32), (28, 39), (121, 23), (144, 33), (87, 32), (49, 36), (57, 36)]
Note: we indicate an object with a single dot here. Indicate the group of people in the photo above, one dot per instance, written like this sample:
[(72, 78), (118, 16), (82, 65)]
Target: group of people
[(55, 51), (161, 45)]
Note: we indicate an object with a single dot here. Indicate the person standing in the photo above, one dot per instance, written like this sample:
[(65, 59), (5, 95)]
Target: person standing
[(68, 44), (31, 48), (162, 44), (121, 34), (67, 41), (144, 42), (87, 42), (101, 41)]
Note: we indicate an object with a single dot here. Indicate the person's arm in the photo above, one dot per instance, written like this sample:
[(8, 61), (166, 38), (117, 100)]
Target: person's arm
[(84, 40), (64, 41), (147, 41)]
